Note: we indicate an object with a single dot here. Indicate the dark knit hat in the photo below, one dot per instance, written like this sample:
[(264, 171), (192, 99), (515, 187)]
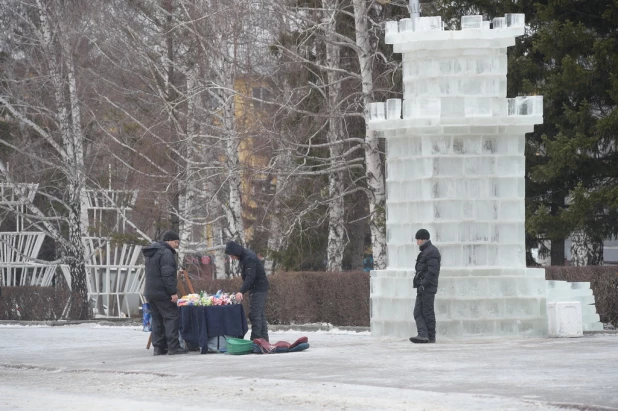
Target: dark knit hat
[(422, 234), (170, 236), (233, 248)]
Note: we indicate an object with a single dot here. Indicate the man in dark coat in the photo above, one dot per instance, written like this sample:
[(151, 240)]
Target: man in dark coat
[(161, 293), (254, 281), (426, 284)]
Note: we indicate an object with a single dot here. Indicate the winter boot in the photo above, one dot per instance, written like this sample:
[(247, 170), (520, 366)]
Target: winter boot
[(159, 351), (419, 340)]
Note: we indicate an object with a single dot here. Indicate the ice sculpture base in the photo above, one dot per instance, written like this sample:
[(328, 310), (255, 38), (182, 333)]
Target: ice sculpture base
[(484, 302), (565, 319), (576, 291)]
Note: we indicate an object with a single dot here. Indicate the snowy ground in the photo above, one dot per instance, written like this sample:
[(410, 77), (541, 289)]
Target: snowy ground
[(108, 368)]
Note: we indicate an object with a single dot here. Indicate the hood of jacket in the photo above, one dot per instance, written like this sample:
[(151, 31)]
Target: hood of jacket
[(152, 249), (233, 248)]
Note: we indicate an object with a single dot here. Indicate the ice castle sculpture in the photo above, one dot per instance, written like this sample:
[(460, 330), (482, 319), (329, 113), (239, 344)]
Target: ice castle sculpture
[(455, 166)]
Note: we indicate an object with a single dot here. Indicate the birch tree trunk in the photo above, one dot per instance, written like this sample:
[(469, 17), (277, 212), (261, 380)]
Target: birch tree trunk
[(336, 227), (585, 251), (235, 229), (187, 206), (233, 209), (172, 97), (276, 236), (69, 119), (217, 234), (373, 162), (224, 52)]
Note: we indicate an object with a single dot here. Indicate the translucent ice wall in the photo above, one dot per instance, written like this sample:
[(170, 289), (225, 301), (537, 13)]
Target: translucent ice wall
[(455, 166)]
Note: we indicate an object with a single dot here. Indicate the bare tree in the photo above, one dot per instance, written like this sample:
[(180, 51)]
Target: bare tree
[(332, 89), (376, 194), (235, 120), (346, 87), (197, 62), (41, 90)]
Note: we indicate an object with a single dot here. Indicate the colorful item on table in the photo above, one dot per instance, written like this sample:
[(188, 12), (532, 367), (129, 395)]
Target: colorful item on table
[(204, 300)]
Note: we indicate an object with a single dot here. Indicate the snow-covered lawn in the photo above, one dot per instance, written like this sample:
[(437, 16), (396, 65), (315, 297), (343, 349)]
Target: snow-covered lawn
[(108, 368)]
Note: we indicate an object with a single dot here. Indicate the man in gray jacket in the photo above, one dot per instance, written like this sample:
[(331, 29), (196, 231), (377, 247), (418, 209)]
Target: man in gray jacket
[(426, 284), (161, 293)]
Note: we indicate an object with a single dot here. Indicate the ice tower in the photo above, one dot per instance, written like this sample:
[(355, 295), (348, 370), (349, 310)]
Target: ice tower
[(455, 166)]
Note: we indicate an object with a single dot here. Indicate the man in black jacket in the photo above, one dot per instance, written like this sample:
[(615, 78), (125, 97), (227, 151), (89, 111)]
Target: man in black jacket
[(254, 281), (161, 293), (426, 284)]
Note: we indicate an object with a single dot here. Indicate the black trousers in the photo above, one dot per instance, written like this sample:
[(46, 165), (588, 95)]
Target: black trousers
[(164, 324), (424, 315), (259, 327)]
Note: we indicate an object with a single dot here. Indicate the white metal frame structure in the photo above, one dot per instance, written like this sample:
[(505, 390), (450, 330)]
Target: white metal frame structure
[(22, 274), (20, 246), (113, 275), (20, 249), (100, 201), (9, 197), (112, 286), (115, 280)]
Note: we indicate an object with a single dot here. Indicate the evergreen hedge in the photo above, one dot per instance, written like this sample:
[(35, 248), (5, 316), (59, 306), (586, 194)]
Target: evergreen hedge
[(30, 303), (341, 299)]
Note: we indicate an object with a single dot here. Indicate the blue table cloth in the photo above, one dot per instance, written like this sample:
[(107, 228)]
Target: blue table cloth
[(198, 324)]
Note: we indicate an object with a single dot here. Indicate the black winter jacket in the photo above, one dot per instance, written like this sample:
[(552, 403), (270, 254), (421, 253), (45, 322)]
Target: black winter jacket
[(427, 268), (253, 273), (160, 271)]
